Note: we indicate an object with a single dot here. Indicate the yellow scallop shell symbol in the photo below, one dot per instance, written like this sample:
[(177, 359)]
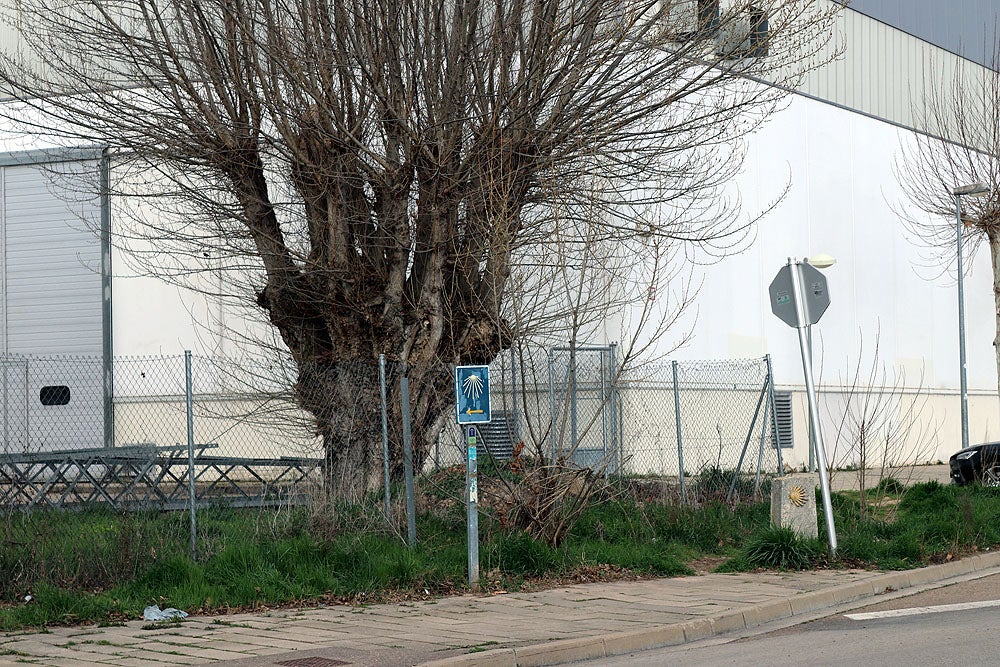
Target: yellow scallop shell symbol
[(797, 495)]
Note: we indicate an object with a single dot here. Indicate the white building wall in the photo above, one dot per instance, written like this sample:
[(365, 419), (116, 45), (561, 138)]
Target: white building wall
[(841, 201)]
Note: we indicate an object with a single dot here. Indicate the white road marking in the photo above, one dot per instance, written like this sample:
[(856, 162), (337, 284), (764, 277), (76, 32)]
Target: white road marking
[(914, 611)]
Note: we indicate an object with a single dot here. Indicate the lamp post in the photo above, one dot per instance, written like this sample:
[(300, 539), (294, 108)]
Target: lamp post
[(972, 190), (820, 261)]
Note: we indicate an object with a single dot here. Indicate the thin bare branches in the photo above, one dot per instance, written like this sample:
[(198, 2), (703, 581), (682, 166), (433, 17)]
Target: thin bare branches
[(396, 176)]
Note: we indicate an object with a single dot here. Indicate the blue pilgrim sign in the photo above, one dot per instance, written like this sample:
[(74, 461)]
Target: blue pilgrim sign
[(472, 394)]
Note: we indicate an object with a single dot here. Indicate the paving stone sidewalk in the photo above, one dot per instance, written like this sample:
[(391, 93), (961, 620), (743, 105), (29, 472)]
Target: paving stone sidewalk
[(412, 633)]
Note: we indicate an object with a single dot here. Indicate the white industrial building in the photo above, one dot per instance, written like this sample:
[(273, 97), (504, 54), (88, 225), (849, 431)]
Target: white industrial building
[(837, 143), (66, 292)]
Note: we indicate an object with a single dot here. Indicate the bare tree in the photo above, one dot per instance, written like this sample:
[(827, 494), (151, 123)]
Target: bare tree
[(374, 175), (881, 428), (958, 144)]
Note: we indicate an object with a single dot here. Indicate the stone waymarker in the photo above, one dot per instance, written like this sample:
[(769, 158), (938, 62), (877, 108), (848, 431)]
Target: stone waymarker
[(793, 503)]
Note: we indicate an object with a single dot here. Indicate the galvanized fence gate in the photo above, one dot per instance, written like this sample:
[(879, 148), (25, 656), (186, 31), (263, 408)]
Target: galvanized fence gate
[(585, 415)]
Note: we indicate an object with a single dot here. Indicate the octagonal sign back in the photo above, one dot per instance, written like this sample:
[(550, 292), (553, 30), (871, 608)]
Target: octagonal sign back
[(815, 294)]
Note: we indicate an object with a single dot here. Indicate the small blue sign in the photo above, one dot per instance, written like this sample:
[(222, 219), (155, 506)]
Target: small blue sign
[(472, 394)]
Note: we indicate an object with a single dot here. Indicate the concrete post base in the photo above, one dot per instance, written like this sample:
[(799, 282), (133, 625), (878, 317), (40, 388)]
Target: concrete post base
[(793, 503)]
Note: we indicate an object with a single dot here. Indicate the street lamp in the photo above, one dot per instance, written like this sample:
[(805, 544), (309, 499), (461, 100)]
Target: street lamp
[(820, 261), (976, 189)]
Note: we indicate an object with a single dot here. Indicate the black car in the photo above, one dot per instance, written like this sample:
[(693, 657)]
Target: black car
[(979, 463)]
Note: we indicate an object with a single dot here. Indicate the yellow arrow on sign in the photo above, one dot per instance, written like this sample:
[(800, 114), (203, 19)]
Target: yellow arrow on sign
[(470, 411)]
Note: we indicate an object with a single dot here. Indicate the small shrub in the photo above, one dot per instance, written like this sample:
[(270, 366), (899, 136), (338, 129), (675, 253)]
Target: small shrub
[(891, 486), (928, 497), (520, 554), (781, 548), (713, 483)]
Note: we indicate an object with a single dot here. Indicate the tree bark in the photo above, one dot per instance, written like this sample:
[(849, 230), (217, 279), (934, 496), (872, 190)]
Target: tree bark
[(993, 235)]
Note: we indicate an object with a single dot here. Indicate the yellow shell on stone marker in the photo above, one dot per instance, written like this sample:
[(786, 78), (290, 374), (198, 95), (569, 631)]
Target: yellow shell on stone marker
[(797, 495)]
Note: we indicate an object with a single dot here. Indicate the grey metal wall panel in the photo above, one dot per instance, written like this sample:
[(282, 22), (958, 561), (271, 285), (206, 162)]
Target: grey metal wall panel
[(884, 72), (51, 304), (78, 424), (52, 265), (964, 27)]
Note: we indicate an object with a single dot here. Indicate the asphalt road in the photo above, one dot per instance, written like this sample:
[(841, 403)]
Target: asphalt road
[(925, 636)]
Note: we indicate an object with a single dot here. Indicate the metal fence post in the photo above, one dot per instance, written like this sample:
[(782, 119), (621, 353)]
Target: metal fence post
[(411, 519), (604, 410), (746, 443), (6, 410), (552, 406), (515, 418), (189, 395), (774, 413), (680, 441), (573, 443), (760, 452), (27, 410), (616, 439), (385, 437)]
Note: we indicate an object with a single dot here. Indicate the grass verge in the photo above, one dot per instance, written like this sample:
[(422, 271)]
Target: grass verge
[(104, 567)]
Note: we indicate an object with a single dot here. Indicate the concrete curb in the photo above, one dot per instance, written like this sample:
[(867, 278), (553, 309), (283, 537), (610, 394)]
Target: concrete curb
[(618, 643)]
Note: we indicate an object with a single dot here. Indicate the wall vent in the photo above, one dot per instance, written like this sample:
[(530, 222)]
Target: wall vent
[(783, 419)]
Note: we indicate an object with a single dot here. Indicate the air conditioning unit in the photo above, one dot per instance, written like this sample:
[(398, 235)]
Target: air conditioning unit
[(743, 36), (687, 20)]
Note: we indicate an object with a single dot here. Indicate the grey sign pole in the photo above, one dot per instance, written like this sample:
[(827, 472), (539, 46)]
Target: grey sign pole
[(385, 438), (472, 503), (411, 512), (799, 297)]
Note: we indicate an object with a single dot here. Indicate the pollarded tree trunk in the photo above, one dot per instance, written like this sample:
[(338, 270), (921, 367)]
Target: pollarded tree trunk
[(993, 235), (345, 401), (344, 398), (336, 312)]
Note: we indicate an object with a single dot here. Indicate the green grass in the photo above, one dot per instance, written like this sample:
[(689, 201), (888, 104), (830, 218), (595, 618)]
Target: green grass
[(781, 549), (104, 567)]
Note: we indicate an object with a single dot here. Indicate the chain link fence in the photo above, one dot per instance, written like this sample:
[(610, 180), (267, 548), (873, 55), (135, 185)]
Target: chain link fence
[(710, 425), (687, 431), (95, 455), (106, 467)]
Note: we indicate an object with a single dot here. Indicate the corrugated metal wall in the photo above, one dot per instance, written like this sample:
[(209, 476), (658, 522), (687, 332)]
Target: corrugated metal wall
[(51, 264), (884, 72), (52, 303), (965, 27)]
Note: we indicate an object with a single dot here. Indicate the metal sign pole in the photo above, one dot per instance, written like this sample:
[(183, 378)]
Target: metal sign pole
[(799, 297), (821, 463), (812, 434), (385, 438), (411, 511), (472, 406), (472, 503)]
